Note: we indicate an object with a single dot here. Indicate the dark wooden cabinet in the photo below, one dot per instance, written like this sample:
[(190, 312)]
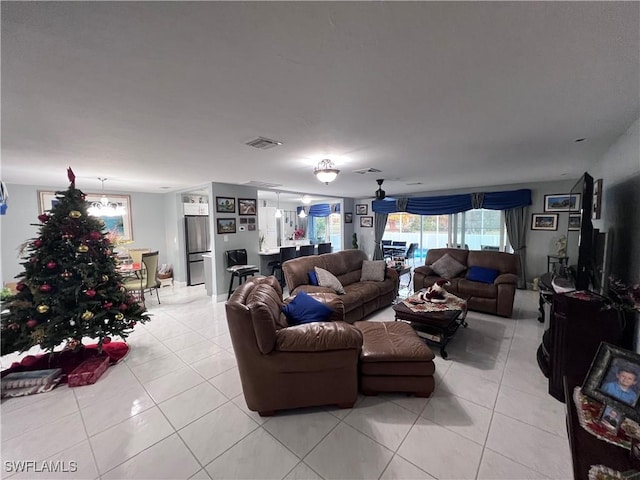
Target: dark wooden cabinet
[(579, 322), (586, 449)]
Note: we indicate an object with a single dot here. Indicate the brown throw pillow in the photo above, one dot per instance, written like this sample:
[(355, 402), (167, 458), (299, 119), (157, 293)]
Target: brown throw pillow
[(329, 280), (373, 271), (447, 266)]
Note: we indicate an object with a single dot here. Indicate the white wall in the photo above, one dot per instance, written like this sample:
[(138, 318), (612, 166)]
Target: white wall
[(148, 222)]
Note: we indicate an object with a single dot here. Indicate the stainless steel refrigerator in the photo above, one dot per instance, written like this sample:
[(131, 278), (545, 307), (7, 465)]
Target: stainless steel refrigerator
[(198, 242)]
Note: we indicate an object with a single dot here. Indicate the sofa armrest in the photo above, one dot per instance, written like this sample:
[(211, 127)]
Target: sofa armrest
[(392, 273), (424, 270), (506, 278), (318, 336)]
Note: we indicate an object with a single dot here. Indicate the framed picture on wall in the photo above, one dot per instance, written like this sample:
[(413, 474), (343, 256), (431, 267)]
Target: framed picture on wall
[(574, 221), (362, 209), (562, 202), (348, 217), (544, 221), (226, 225), (119, 225), (247, 206), (366, 222), (225, 205)]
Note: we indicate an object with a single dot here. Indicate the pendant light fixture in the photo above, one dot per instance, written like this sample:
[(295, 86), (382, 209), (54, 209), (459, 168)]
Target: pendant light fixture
[(104, 208), (278, 211), (326, 171)]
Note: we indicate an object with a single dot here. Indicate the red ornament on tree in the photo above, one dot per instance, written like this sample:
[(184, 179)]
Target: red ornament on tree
[(95, 235), (43, 217), (14, 326), (90, 293), (20, 287), (51, 265), (123, 306), (37, 243), (32, 323), (45, 288), (106, 340), (107, 305)]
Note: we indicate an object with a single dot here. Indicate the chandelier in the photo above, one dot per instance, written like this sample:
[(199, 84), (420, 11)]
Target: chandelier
[(278, 211), (326, 171), (104, 208)]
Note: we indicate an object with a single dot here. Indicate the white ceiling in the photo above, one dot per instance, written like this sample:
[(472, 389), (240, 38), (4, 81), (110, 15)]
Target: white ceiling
[(436, 95)]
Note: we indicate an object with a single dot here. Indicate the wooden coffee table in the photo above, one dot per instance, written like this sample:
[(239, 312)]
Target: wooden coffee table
[(438, 327)]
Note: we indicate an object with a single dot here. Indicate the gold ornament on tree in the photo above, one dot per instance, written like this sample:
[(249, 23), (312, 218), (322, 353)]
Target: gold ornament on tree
[(105, 278), (75, 214), (119, 316), (86, 315), (83, 248), (37, 335), (42, 308)]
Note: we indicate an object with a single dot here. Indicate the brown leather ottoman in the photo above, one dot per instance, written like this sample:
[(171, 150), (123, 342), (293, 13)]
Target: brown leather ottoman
[(394, 359)]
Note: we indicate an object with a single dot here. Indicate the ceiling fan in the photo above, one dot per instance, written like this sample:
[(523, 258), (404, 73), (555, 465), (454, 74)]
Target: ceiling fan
[(380, 194)]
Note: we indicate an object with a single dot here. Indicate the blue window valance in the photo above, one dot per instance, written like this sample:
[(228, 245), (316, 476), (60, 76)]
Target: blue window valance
[(320, 210), (446, 204)]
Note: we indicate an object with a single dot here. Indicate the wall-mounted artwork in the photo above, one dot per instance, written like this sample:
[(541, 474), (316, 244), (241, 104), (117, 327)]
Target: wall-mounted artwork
[(225, 205), (247, 206), (226, 225), (119, 225), (544, 221), (597, 199), (366, 222), (562, 202), (362, 209), (348, 217), (574, 221)]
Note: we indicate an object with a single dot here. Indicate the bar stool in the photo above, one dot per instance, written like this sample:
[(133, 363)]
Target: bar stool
[(286, 253), (236, 261), (306, 250), (324, 248)]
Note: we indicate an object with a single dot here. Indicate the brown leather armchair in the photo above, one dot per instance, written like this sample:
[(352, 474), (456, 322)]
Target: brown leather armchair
[(285, 367)]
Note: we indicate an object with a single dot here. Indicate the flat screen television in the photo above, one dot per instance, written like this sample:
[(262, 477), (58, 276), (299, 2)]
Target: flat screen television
[(580, 241)]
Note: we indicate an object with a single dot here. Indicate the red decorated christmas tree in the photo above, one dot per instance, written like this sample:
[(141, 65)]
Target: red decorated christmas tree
[(70, 288)]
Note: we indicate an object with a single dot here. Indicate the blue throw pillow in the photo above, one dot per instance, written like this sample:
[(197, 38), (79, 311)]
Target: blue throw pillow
[(306, 309), (481, 274), (313, 278)]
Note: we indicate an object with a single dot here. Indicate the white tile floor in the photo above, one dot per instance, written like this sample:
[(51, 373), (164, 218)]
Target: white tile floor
[(174, 409)]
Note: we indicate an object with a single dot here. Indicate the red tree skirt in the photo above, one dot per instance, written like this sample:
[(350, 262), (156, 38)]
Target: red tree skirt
[(68, 360)]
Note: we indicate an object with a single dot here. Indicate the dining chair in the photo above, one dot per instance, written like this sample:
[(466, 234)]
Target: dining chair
[(306, 250), (236, 262), (136, 254), (286, 253), (324, 248), (148, 279), (411, 253)]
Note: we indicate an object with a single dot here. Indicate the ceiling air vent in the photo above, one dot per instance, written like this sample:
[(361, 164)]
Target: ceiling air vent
[(263, 143), (362, 171), (257, 184)]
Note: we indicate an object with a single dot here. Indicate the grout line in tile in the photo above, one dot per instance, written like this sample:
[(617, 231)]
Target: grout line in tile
[(86, 432)]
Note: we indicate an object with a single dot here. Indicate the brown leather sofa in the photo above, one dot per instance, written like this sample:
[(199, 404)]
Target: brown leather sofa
[(496, 298), (285, 367), (361, 298)]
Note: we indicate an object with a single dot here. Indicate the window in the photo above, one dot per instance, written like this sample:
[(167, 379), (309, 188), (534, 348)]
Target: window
[(476, 229), (327, 229)]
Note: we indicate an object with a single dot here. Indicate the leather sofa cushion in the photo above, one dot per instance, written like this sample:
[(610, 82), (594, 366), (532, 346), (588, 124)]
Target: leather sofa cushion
[(477, 289), (317, 337), (392, 342)]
